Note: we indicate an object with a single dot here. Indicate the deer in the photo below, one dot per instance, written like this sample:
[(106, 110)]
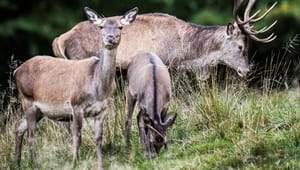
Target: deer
[(65, 90), (149, 85), (181, 45)]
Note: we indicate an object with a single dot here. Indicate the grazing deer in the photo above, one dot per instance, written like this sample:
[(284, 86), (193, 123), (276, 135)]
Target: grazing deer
[(149, 84), (67, 89), (180, 44)]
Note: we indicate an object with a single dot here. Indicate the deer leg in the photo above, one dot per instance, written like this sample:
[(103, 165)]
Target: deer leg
[(130, 107), (77, 125), (164, 113), (67, 130), (32, 117), (163, 119), (99, 136), (21, 127), (143, 136)]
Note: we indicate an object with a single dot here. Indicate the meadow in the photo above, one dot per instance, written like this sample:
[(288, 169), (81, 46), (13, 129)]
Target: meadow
[(221, 124)]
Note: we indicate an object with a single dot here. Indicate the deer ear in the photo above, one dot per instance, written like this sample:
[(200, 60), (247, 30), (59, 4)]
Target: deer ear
[(171, 119), (93, 16), (129, 16), (230, 28)]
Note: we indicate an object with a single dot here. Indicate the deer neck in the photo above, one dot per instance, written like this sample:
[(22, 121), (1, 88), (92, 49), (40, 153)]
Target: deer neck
[(107, 69), (109, 61), (200, 41)]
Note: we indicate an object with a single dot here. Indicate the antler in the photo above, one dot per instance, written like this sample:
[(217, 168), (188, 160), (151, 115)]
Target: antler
[(244, 25)]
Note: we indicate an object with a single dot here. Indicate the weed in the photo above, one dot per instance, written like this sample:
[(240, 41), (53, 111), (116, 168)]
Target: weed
[(220, 125)]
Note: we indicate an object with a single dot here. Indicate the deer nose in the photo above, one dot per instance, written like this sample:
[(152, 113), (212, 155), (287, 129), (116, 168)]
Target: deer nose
[(110, 38), (243, 72)]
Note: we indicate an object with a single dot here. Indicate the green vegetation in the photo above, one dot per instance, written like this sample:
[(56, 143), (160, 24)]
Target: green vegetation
[(29, 28), (219, 126)]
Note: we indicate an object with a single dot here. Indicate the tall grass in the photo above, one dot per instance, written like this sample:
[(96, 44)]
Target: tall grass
[(220, 125)]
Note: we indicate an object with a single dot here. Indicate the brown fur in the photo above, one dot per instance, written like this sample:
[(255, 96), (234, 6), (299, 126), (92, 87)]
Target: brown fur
[(149, 84), (67, 89), (77, 45), (203, 38), (178, 43)]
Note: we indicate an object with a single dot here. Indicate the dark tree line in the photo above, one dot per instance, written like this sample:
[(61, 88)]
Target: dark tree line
[(27, 28)]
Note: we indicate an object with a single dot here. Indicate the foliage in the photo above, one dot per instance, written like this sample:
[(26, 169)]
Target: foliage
[(31, 26), (219, 126)]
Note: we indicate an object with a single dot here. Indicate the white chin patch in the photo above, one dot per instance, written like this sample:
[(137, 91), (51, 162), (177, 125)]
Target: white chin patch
[(109, 46)]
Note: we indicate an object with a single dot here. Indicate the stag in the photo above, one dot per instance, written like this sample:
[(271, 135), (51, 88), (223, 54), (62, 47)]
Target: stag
[(181, 45), (67, 89), (149, 84)]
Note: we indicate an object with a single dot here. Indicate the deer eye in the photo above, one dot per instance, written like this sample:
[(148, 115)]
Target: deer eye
[(120, 27), (240, 47)]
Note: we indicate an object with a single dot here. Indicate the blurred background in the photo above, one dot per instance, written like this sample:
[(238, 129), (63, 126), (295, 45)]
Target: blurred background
[(27, 28)]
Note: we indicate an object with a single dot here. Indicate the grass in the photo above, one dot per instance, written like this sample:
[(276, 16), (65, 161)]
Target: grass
[(217, 128), (220, 125)]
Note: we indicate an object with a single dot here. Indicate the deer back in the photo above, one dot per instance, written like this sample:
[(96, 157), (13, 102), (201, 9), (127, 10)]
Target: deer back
[(49, 80), (184, 45), (147, 33), (149, 80), (82, 41)]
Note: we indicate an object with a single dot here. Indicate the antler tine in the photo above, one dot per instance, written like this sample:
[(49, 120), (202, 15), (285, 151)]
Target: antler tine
[(266, 28), (248, 9), (248, 20), (236, 7), (251, 33), (244, 24), (262, 30), (252, 18), (263, 40), (262, 16)]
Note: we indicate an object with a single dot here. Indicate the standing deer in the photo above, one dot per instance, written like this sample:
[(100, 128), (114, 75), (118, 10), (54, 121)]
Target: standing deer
[(66, 89), (180, 44), (149, 84)]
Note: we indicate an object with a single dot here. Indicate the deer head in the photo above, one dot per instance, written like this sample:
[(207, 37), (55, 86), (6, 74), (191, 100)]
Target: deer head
[(110, 35), (237, 34), (157, 133)]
